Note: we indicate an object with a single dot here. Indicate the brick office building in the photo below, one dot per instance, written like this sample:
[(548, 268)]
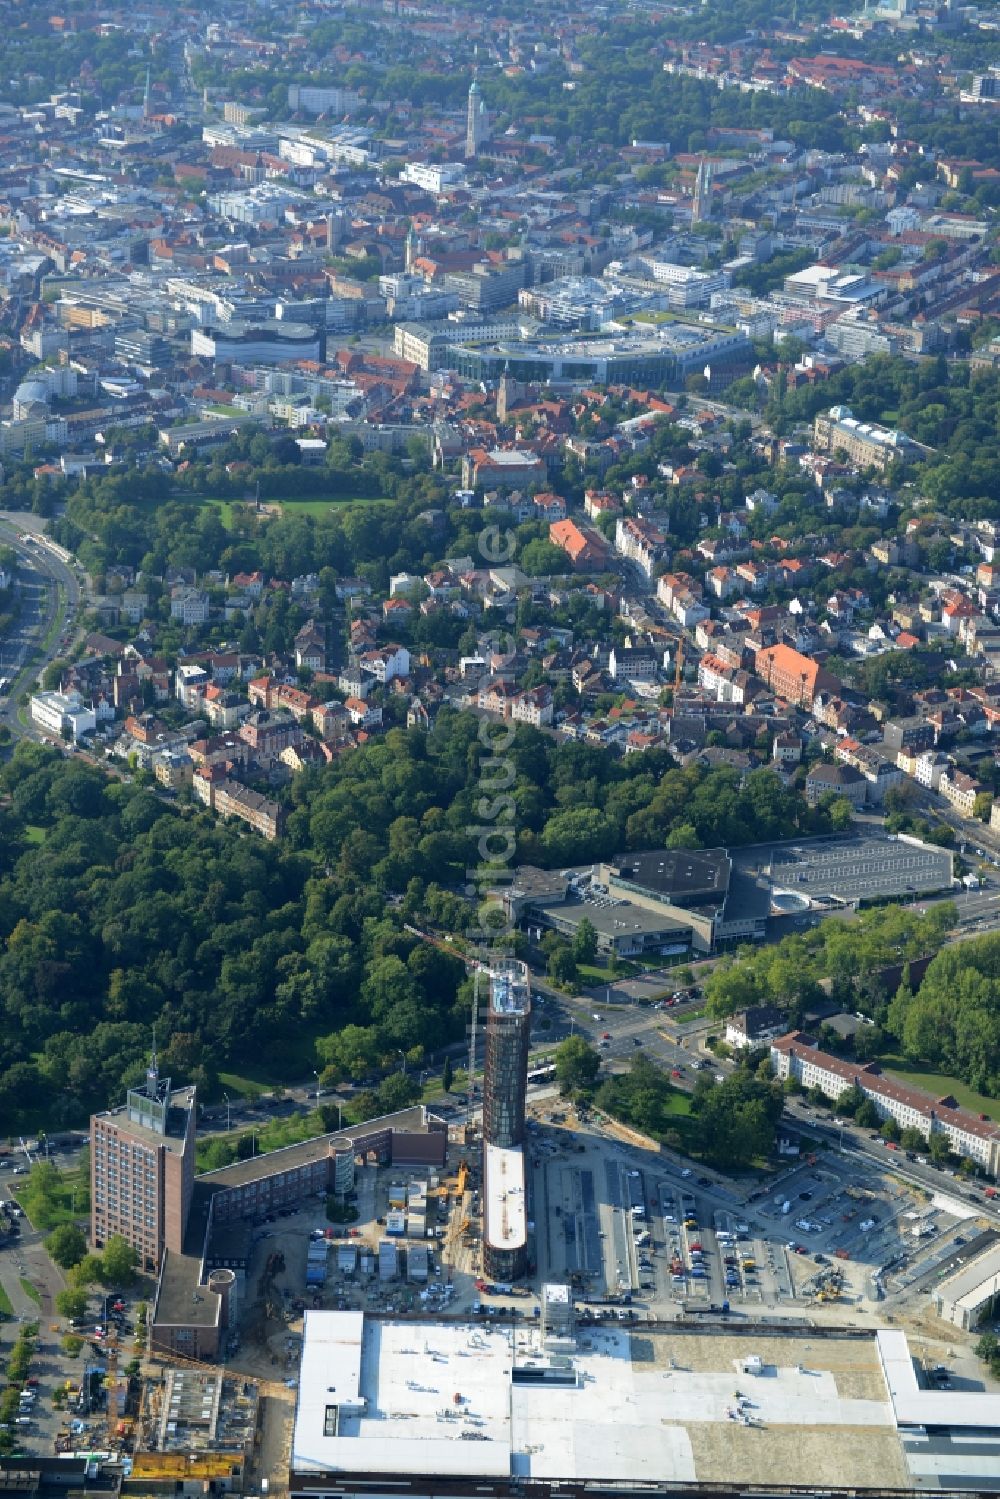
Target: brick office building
[(142, 1169)]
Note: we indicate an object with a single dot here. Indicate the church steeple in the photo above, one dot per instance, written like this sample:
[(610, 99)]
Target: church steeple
[(701, 209), (476, 121)]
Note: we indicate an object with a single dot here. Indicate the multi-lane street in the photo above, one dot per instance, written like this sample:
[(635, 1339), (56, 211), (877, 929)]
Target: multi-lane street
[(49, 589)]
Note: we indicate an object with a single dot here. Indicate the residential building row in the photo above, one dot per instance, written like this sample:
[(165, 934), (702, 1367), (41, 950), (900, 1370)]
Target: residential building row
[(795, 1055)]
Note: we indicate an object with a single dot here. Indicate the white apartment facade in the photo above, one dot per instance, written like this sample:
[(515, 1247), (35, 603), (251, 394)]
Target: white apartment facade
[(533, 706), (63, 713), (190, 606), (386, 663), (640, 542), (794, 1055)]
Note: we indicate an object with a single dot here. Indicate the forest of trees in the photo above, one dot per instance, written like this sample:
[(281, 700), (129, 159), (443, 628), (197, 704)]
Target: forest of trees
[(730, 1124), (953, 1019), (943, 405), (118, 909), (951, 1022)]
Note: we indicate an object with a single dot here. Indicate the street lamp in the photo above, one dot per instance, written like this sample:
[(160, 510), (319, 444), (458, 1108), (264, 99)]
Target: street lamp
[(228, 1117), (402, 1058), (316, 1076)]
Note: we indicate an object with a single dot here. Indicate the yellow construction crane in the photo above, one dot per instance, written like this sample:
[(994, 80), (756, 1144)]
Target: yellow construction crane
[(111, 1382)]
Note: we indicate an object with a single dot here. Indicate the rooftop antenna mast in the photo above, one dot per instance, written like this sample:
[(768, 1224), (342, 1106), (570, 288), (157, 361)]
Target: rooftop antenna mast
[(153, 1072)]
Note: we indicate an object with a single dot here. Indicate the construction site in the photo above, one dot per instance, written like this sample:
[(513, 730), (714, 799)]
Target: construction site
[(562, 1252)]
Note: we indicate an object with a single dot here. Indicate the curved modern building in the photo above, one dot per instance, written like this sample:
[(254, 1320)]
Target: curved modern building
[(632, 357), (273, 341)]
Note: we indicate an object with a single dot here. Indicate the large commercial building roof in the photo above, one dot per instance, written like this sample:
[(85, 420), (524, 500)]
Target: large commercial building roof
[(962, 1296), (291, 1157), (684, 876), (413, 1403), (914, 1406)]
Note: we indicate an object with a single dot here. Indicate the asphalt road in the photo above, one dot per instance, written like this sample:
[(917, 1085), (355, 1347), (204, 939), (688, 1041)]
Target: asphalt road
[(25, 1259), (859, 1142), (44, 581)]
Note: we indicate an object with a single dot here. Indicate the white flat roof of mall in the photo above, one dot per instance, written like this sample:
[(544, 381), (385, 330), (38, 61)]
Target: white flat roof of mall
[(506, 1225), (913, 1406), (439, 1398)]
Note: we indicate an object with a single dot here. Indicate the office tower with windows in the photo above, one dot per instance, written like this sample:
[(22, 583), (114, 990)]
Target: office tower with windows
[(505, 1084), (142, 1169)]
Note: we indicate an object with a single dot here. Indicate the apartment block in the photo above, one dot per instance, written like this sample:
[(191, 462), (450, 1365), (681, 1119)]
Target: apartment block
[(64, 714), (640, 542), (266, 817), (791, 675), (796, 1055)]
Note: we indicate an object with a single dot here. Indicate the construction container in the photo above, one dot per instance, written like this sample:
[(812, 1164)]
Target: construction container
[(416, 1263), (388, 1263), (316, 1263)]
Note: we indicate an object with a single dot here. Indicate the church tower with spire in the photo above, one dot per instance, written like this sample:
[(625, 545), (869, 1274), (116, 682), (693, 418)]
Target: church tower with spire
[(508, 392), (701, 209), (477, 129)]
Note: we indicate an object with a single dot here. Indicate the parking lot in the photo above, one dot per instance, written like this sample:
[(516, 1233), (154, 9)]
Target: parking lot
[(63, 1402), (647, 1231), (826, 1231), (879, 1234)]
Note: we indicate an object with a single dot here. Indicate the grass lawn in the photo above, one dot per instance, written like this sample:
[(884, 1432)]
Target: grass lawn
[(672, 1113), (432, 1091), (31, 1290), (320, 507), (34, 833), (228, 508), (225, 509), (291, 1059), (6, 1308), (591, 974), (938, 1083), (68, 1200), (249, 1083), (678, 1104)]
